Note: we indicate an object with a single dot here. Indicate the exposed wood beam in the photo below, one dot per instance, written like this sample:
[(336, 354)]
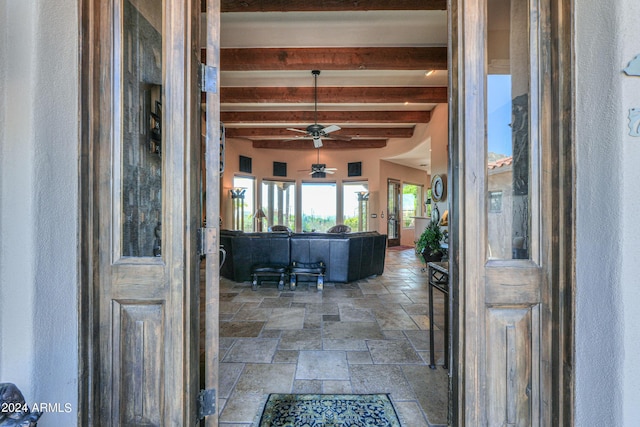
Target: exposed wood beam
[(230, 117), (268, 133), (326, 5), (356, 58), (307, 144), (336, 95)]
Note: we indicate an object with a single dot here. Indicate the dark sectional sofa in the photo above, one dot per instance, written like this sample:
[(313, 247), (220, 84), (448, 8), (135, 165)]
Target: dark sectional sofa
[(348, 256)]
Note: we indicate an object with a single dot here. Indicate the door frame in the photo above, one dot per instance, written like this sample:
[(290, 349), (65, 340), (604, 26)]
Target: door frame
[(558, 163), (562, 167)]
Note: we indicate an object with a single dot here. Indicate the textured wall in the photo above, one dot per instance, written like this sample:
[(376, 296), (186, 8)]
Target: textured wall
[(628, 48), (606, 275), (38, 225)]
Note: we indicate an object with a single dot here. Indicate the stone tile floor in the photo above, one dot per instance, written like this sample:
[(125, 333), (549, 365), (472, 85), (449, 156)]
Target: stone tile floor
[(369, 336)]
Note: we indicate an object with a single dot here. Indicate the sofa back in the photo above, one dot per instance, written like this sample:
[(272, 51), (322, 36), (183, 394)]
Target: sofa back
[(244, 250), (366, 255), (333, 249), (348, 256)]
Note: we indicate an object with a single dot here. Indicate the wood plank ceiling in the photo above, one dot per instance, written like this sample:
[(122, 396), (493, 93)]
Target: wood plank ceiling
[(383, 69)]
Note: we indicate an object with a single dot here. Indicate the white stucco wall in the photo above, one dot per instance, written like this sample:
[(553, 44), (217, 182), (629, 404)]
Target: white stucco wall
[(630, 235), (608, 206), (39, 202)]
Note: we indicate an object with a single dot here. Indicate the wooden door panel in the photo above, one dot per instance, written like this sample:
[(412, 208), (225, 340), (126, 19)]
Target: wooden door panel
[(513, 284), (138, 350), (511, 353), (130, 281)]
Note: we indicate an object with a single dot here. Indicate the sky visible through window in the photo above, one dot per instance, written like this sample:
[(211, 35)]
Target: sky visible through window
[(499, 114)]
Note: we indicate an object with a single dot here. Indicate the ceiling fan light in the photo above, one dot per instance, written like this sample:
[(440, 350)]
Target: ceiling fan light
[(317, 142)]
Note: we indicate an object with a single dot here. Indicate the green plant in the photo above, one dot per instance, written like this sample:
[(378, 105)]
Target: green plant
[(430, 240)]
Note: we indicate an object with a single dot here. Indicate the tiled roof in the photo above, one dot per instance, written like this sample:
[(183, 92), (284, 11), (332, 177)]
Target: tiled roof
[(506, 161)]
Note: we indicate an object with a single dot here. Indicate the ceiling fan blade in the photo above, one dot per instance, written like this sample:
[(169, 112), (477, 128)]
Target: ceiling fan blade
[(329, 171), (297, 130), (330, 128)]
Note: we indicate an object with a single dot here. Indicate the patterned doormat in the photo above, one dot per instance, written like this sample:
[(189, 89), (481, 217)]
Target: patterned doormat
[(329, 410)]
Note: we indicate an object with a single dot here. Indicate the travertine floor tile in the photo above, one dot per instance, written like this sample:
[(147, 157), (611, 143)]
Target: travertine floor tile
[(252, 351), (322, 365), (369, 336), (393, 352)]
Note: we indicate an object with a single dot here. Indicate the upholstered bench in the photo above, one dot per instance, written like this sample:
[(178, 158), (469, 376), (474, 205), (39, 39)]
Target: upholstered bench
[(314, 269), (260, 270)]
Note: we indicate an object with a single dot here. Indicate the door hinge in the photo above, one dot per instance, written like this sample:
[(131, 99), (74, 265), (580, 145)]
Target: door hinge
[(208, 78), (206, 403), (207, 243)]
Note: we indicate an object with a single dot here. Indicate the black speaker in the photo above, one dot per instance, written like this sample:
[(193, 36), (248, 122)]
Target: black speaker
[(279, 169), (354, 169), (245, 164)]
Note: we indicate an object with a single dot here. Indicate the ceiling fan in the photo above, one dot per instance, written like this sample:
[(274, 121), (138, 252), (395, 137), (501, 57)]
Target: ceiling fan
[(319, 168), (315, 131)]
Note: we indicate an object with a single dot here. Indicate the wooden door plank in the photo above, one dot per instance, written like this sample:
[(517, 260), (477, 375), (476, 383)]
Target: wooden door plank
[(212, 186)]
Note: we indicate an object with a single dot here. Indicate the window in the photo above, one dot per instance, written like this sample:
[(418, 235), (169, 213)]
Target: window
[(355, 205), (243, 203), (411, 204), (495, 201), (278, 203), (318, 206)]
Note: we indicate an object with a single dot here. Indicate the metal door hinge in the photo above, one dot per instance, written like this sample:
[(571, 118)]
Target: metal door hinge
[(206, 403), (208, 78), (207, 243)]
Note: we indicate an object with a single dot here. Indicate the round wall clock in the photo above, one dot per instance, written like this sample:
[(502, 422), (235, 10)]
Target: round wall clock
[(438, 188)]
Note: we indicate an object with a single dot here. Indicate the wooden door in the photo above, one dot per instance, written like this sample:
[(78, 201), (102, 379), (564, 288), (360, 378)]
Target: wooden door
[(393, 212), (145, 123), (511, 256)]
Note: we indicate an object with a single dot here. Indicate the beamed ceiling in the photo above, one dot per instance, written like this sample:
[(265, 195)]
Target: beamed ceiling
[(383, 68)]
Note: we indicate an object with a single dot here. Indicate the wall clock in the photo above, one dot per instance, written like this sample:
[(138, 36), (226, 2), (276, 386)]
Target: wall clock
[(438, 190)]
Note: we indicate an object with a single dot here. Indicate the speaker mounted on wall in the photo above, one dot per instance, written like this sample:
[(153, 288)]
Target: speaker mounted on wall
[(354, 169), (245, 164), (279, 169)]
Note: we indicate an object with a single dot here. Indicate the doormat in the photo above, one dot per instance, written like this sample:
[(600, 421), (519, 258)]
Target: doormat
[(329, 410)]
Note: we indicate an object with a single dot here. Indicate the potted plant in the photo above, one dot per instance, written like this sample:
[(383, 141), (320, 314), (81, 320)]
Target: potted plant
[(428, 245)]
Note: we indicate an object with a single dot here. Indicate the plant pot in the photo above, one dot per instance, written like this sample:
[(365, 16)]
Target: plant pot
[(435, 257)]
